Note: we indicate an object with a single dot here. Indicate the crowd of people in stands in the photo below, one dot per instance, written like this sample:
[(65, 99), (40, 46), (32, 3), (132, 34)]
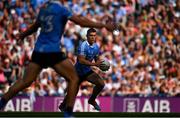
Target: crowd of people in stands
[(144, 54)]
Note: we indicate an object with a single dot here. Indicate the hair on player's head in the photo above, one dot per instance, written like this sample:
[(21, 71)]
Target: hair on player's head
[(90, 30)]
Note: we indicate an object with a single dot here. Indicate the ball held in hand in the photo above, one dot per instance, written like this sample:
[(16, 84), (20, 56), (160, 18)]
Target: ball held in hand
[(105, 65)]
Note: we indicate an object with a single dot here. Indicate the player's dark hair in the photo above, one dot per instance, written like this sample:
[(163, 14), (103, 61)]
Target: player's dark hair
[(90, 30)]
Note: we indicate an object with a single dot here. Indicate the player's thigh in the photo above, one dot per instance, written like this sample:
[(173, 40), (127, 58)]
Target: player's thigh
[(94, 78), (31, 72), (66, 69)]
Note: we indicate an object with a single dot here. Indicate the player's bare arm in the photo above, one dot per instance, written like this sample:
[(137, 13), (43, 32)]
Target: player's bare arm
[(33, 28), (83, 60), (85, 22)]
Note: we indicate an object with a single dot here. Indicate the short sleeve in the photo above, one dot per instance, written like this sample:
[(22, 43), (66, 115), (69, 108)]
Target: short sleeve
[(82, 49), (67, 12)]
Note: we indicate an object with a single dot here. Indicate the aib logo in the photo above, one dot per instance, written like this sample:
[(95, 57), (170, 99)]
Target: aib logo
[(131, 105), (58, 101)]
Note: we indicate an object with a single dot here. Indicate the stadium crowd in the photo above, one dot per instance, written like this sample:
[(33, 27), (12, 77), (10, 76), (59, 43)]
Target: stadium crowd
[(144, 54)]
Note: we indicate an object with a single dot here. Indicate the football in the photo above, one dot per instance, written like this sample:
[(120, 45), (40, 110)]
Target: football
[(105, 65)]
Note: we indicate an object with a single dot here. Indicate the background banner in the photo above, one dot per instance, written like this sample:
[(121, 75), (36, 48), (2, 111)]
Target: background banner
[(50, 104), (107, 104), (153, 104)]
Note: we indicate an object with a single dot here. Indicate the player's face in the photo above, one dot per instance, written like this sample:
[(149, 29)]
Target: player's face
[(91, 37)]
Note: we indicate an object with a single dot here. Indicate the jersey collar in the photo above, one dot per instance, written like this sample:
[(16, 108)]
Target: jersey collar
[(89, 44)]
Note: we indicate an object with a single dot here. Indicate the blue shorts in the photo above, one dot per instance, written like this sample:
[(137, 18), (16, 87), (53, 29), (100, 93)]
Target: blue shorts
[(83, 77)]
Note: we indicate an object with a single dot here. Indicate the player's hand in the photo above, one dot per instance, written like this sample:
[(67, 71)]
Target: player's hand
[(98, 62), (19, 37)]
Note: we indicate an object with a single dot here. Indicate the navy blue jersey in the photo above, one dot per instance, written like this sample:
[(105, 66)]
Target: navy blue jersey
[(90, 52), (53, 18)]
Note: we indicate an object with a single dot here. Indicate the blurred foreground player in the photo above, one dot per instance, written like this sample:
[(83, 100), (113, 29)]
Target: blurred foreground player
[(87, 52), (52, 19)]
